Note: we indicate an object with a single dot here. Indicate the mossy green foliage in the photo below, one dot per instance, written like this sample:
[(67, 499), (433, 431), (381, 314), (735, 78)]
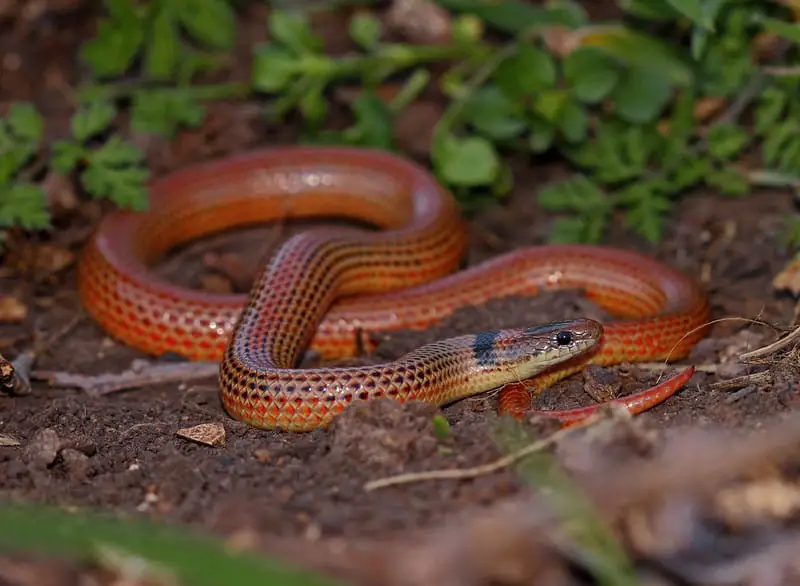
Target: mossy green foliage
[(600, 107)]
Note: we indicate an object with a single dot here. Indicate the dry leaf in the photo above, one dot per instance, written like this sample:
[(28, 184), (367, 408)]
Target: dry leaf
[(208, 434), (789, 277), (12, 310), (7, 441)]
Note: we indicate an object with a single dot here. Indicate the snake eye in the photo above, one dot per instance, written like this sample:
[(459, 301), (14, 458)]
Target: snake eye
[(563, 338)]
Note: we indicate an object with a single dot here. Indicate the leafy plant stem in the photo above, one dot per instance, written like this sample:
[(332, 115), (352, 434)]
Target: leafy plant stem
[(468, 88), (124, 89), (410, 90), (389, 58), (731, 114)]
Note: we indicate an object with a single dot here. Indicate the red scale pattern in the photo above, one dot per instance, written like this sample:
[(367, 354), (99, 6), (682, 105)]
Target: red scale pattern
[(327, 287)]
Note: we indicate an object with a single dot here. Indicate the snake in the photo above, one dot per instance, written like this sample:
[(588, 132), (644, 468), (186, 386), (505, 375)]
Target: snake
[(329, 289)]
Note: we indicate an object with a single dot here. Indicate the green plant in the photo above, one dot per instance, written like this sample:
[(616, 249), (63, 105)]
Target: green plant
[(594, 545), (602, 105), (140, 61), (165, 45), (152, 550)]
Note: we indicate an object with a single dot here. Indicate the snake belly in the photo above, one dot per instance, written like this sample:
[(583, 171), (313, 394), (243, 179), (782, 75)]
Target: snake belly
[(330, 288)]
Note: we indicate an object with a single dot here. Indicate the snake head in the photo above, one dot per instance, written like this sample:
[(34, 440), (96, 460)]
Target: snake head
[(529, 351)]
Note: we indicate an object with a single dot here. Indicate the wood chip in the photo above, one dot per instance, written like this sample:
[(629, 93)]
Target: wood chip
[(209, 434)]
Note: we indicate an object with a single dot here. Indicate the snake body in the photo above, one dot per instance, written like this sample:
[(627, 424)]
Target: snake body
[(329, 288)]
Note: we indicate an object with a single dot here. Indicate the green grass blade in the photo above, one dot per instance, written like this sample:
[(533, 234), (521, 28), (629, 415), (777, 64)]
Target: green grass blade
[(190, 558)]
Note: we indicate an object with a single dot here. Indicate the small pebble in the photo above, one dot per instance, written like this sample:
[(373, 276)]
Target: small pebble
[(75, 462), (43, 448)]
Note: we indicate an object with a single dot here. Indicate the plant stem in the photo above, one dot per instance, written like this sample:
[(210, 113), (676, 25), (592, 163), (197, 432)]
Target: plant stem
[(124, 89), (480, 77), (397, 57), (410, 90)]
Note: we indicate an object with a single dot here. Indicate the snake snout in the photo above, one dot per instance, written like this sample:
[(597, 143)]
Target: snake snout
[(546, 345), (568, 333)]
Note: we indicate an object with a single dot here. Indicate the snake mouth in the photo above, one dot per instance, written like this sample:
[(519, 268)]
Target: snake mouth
[(535, 349)]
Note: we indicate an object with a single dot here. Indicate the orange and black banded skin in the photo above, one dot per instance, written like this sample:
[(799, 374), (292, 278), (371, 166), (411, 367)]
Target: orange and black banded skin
[(331, 288)]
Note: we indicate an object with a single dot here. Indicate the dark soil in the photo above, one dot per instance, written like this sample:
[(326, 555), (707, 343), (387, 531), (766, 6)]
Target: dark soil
[(120, 452)]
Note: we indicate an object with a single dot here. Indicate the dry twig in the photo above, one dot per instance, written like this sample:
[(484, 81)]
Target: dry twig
[(483, 470), (139, 375), (24, 362)]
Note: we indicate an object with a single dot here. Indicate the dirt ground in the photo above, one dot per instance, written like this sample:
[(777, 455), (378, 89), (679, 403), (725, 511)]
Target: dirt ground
[(120, 451)]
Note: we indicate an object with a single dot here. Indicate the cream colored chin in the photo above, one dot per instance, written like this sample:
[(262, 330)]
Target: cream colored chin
[(552, 358)]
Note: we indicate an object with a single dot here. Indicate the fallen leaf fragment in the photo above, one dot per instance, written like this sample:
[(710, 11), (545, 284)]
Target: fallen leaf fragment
[(12, 310), (7, 374), (7, 441), (789, 277), (208, 434)]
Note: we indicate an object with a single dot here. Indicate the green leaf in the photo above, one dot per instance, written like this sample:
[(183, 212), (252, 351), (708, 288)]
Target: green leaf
[(646, 210), (776, 139), (115, 46), (293, 32), (789, 157), (585, 229), (123, 12), (529, 71), (789, 31), (771, 105), (699, 42), (163, 111), (365, 30), (724, 72), (725, 141), (729, 181), (645, 52), (574, 121), (577, 194), (25, 122), (467, 162), (441, 427), (493, 114), (373, 127), (681, 122), (703, 16), (619, 152), (691, 9), (187, 557), (273, 69), (193, 62), (161, 52), (25, 205), (312, 104), (66, 155), (542, 134), (658, 10), (115, 153), (466, 29), (592, 73), (114, 171), (92, 118), (514, 16), (641, 95), (689, 172), (212, 22), (20, 134), (550, 104)]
